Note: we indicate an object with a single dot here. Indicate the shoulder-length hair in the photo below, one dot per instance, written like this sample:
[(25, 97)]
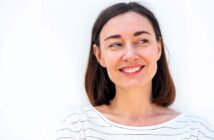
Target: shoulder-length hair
[(99, 88)]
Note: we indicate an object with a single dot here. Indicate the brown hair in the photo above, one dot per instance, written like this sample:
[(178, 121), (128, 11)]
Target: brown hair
[(100, 89)]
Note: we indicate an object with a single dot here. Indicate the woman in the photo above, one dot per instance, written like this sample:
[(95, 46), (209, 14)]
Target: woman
[(129, 84)]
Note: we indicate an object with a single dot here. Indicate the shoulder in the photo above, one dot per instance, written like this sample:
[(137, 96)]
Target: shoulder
[(71, 127), (79, 114), (197, 120), (199, 125)]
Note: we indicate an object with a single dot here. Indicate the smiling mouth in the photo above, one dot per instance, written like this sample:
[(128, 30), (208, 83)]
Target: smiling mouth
[(130, 70)]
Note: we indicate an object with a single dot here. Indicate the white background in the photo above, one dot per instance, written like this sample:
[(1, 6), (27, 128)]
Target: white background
[(44, 48)]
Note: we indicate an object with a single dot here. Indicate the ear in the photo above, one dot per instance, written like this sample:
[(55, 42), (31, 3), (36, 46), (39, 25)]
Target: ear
[(97, 53), (159, 49)]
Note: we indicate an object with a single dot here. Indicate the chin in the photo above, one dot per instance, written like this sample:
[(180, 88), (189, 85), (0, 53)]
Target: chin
[(131, 86)]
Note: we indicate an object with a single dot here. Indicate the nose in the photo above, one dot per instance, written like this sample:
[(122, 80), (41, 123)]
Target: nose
[(130, 53)]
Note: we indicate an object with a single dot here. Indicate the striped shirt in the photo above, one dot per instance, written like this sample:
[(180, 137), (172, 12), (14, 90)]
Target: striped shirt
[(90, 124)]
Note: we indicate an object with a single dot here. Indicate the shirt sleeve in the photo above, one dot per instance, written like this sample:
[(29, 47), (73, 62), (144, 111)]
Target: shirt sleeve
[(206, 130), (69, 129)]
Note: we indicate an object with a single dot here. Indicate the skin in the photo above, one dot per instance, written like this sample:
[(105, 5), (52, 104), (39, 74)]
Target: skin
[(129, 51)]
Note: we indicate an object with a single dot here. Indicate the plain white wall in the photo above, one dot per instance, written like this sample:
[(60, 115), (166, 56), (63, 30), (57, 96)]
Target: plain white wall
[(44, 48)]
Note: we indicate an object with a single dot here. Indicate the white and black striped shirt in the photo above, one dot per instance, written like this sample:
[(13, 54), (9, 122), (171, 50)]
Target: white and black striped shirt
[(89, 124)]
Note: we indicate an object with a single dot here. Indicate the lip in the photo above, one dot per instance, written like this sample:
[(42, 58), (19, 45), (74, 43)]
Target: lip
[(132, 70)]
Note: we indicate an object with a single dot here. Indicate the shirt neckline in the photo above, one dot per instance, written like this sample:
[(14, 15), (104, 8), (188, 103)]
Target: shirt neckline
[(136, 127)]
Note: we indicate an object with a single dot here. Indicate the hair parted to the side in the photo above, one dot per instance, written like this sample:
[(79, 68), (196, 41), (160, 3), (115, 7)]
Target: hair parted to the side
[(99, 88)]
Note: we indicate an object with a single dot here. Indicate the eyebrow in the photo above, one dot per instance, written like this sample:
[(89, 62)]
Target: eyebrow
[(135, 34), (113, 36), (141, 32)]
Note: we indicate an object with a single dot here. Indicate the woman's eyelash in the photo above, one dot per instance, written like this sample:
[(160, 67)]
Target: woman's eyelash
[(142, 41), (115, 45)]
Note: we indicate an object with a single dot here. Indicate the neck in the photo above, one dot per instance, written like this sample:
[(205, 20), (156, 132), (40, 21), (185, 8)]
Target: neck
[(133, 102)]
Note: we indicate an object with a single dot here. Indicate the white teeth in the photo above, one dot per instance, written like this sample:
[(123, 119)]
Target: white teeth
[(131, 70)]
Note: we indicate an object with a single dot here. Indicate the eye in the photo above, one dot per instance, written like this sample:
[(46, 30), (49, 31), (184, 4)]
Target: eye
[(115, 45), (142, 41)]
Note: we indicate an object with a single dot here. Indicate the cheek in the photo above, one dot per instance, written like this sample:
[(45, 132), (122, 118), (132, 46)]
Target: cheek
[(152, 54), (110, 60), (111, 64), (111, 71)]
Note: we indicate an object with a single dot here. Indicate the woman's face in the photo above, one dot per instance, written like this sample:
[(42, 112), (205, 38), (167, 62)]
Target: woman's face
[(129, 51)]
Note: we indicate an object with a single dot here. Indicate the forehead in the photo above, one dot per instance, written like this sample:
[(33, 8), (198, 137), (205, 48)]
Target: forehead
[(126, 23)]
